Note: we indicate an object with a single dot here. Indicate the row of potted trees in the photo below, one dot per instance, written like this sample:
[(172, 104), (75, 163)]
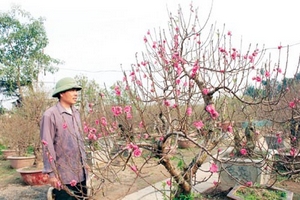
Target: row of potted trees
[(19, 130)]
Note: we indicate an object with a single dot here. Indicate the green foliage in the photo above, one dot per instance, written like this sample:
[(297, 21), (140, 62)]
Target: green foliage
[(191, 196), (258, 194), (180, 164), (1, 148), (30, 150), (22, 42)]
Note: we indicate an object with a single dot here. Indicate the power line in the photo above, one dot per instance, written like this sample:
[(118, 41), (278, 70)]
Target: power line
[(90, 71)]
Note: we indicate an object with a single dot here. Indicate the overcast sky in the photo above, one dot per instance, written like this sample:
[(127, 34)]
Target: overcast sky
[(95, 37)]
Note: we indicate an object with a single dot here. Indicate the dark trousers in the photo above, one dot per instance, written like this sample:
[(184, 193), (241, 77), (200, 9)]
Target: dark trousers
[(79, 191)]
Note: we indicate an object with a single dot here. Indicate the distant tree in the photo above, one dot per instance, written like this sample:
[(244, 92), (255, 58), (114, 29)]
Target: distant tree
[(22, 58)]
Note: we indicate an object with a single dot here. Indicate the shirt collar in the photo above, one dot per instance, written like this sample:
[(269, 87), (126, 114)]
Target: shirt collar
[(61, 109)]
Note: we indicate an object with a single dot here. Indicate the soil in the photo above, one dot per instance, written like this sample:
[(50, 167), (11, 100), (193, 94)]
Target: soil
[(12, 186)]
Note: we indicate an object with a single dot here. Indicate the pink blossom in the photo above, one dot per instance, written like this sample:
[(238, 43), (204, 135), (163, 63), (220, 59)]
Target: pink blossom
[(287, 89), (93, 130), (132, 146), (50, 158), (229, 129), (65, 126), (103, 121), (257, 78), (146, 136), (279, 140), (117, 90), (127, 109), (234, 55), (279, 70), (167, 103), (85, 128), (179, 70), (279, 47), (129, 116), (293, 151), (161, 138), (215, 183), (117, 110), (213, 168), (267, 74), (44, 142), (137, 152), (97, 122), (154, 45), (205, 91), (134, 168), (141, 124), (249, 183), (58, 184), (213, 113), (189, 111), (73, 183), (139, 83), (251, 58), (243, 151), (229, 33), (198, 124), (92, 136), (294, 139), (169, 182), (145, 39), (292, 104), (209, 108)]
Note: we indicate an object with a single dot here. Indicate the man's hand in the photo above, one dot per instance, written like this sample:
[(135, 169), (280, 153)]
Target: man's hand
[(54, 182)]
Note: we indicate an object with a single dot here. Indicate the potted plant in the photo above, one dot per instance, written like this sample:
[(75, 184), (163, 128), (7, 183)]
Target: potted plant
[(242, 192), (22, 126), (20, 131), (246, 161)]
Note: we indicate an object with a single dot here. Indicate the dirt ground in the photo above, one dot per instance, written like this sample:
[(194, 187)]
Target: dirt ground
[(12, 186)]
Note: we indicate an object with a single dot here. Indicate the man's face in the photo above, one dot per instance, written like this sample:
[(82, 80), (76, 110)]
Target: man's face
[(69, 97)]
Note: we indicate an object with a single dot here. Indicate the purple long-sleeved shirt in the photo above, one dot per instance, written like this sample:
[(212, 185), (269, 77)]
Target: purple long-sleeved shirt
[(63, 149)]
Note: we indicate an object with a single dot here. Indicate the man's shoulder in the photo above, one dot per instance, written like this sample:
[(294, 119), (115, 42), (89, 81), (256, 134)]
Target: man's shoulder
[(51, 110)]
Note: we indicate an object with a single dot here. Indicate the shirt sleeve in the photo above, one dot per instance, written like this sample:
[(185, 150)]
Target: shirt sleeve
[(47, 134)]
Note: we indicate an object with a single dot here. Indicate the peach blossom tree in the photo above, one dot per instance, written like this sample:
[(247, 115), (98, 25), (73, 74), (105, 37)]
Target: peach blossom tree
[(192, 82)]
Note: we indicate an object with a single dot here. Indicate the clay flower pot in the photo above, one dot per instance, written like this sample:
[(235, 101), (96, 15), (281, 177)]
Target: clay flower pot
[(184, 143), (8, 152), (33, 176), (17, 162)]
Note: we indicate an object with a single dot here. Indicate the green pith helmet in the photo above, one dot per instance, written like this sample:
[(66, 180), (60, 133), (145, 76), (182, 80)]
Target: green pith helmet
[(65, 84)]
